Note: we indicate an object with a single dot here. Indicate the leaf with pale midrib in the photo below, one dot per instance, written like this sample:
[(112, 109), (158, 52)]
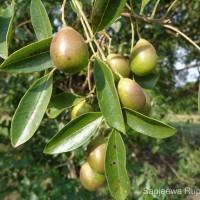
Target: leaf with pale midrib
[(74, 134), (148, 126), (107, 96), (115, 165), (31, 58), (31, 110), (40, 20)]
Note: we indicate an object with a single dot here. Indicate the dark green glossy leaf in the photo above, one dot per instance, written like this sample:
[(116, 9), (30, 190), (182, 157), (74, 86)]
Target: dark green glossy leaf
[(62, 101), (107, 96), (147, 125), (31, 110), (115, 165), (40, 20), (105, 12), (148, 81), (6, 21), (74, 134), (34, 57)]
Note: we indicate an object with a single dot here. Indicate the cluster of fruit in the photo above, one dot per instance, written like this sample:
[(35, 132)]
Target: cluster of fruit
[(92, 172), (69, 53), (143, 62)]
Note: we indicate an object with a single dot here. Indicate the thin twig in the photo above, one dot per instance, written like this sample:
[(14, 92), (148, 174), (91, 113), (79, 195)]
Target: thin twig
[(109, 43), (173, 170), (145, 19), (88, 37), (168, 10), (154, 9), (162, 22), (89, 40), (89, 75), (132, 27), (24, 23), (62, 10), (182, 34), (137, 29), (89, 28)]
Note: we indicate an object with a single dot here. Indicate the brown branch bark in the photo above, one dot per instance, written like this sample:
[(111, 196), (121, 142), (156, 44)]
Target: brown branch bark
[(163, 22)]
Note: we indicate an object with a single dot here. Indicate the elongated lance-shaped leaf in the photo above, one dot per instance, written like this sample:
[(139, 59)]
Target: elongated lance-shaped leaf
[(31, 58), (107, 96), (40, 20), (147, 125), (115, 167), (62, 101), (74, 134), (105, 12), (31, 110), (6, 21)]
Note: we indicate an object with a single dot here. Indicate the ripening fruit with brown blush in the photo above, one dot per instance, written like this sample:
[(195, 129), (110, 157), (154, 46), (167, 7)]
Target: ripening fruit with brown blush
[(119, 66), (131, 94), (97, 154), (80, 109), (143, 58), (69, 51), (90, 179)]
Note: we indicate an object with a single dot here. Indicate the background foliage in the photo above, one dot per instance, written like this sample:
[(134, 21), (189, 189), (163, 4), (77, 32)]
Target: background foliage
[(26, 173)]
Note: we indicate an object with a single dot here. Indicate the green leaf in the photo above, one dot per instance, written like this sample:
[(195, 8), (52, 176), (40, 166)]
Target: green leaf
[(147, 125), (31, 110), (40, 20), (148, 81), (6, 21), (105, 12), (107, 96), (31, 58), (115, 166), (62, 101), (74, 134), (144, 4)]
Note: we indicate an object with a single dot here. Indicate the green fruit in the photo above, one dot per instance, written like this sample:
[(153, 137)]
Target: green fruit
[(80, 109), (131, 94), (90, 179), (143, 58), (69, 51), (97, 154), (119, 66), (147, 107)]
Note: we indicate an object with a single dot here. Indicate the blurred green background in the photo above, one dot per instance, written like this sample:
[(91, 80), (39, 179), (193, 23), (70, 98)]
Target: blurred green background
[(27, 173)]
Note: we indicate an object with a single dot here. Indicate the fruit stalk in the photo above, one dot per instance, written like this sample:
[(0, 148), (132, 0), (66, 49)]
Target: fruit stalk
[(76, 4), (62, 10)]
